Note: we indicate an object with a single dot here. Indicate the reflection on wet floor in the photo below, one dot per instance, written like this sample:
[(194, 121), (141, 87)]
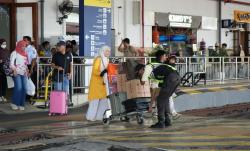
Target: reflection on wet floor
[(187, 133)]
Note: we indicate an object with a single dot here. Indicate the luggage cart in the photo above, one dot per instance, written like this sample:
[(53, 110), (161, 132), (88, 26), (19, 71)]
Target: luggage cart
[(118, 103), (44, 91), (121, 111)]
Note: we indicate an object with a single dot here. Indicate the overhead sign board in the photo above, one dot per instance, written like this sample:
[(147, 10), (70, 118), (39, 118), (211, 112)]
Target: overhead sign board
[(95, 26), (241, 16), (98, 3)]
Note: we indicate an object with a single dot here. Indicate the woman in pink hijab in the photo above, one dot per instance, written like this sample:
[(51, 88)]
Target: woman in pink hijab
[(18, 63)]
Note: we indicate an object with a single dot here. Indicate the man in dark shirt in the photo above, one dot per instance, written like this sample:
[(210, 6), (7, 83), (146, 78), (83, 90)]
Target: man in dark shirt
[(171, 80), (62, 65)]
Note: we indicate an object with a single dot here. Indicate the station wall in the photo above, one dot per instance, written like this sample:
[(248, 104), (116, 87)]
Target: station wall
[(123, 18), (51, 27)]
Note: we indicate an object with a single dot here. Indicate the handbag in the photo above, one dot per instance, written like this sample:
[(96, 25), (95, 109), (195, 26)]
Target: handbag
[(31, 88)]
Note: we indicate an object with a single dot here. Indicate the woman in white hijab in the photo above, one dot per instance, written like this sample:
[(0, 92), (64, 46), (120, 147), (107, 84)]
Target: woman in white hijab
[(98, 89)]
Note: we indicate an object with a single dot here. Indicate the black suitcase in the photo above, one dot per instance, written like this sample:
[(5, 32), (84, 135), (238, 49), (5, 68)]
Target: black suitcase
[(136, 104), (116, 100)]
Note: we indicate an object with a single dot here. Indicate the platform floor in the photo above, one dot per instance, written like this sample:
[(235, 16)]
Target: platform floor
[(214, 86)]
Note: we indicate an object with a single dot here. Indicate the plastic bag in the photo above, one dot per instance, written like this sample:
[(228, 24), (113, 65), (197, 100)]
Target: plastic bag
[(31, 88)]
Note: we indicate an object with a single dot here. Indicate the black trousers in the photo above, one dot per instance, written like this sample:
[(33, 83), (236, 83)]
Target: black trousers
[(169, 87), (3, 84)]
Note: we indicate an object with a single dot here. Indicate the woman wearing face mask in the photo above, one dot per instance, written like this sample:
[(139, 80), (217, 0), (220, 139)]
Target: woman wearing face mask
[(4, 56), (98, 89), (18, 63)]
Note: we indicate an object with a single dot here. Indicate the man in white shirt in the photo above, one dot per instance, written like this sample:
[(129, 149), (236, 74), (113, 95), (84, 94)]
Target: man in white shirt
[(32, 54), (32, 59)]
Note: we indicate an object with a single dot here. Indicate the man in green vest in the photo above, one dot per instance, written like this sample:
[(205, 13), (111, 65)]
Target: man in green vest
[(148, 75), (171, 79)]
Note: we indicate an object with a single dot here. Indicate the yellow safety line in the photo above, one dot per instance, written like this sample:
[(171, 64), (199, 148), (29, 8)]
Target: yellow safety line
[(215, 88), (186, 144), (194, 92), (148, 137), (205, 137)]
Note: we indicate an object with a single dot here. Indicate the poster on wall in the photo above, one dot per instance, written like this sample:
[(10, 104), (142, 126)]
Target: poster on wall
[(95, 26)]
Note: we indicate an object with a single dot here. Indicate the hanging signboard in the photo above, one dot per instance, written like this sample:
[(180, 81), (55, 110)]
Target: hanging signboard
[(180, 21), (241, 16), (95, 26)]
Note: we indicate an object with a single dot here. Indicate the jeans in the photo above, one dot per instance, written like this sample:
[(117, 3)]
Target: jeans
[(19, 95), (62, 86)]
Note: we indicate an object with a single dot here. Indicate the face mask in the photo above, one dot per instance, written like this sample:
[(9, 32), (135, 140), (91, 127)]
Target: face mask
[(3, 46)]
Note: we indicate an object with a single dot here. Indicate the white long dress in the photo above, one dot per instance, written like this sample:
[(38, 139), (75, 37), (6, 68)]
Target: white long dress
[(98, 107)]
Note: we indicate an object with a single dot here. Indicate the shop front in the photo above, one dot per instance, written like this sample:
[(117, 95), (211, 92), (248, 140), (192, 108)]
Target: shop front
[(241, 33), (176, 33)]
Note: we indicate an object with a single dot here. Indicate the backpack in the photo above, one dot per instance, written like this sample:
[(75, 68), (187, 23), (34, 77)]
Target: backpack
[(6, 65), (6, 68)]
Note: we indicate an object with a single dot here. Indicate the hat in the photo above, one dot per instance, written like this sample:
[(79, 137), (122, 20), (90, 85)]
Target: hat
[(61, 43)]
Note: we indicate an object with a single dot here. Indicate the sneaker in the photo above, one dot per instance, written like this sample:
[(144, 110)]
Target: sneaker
[(174, 95), (158, 125), (21, 108), (13, 107), (4, 99), (176, 116), (1, 100), (70, 104)]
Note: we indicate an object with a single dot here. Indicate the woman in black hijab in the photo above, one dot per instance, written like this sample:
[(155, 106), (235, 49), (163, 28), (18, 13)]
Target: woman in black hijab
[(4, 56)]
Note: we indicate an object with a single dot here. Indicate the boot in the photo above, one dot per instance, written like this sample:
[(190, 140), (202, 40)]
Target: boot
[(159, 124), (167, 121)]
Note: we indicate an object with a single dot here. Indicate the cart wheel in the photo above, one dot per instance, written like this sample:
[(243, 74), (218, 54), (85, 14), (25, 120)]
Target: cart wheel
[(140, 119), (106, 121)]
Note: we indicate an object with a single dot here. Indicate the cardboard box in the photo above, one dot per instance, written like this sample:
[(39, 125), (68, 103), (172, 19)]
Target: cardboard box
[(121, 82), (136, 90), (128, 90)]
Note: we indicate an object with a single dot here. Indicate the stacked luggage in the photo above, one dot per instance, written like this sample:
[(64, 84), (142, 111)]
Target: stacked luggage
[(127, 97)]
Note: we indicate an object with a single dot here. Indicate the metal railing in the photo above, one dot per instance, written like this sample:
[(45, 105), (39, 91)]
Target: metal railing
[(216, 69)]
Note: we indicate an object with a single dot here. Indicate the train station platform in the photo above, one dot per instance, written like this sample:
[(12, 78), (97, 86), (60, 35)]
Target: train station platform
[(213, 94)]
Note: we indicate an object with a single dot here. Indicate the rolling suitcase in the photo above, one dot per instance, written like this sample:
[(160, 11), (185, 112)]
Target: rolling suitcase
[(136, 104), (116, 100), (58, 101)]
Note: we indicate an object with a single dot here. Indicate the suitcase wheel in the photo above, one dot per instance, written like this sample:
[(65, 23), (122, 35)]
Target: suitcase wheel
[(106, 121), (50, 114), (140, 119)]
